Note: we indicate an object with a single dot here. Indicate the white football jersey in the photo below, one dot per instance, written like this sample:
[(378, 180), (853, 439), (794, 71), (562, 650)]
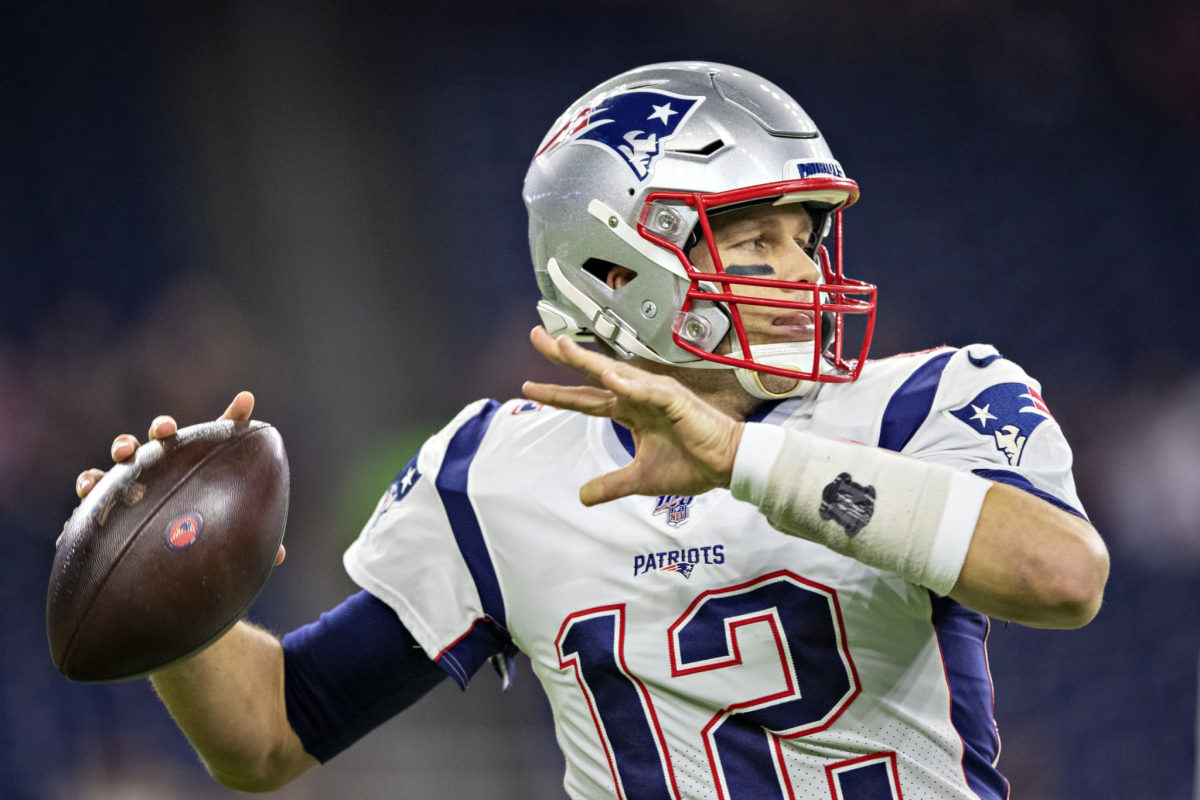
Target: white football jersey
[(688, 649)]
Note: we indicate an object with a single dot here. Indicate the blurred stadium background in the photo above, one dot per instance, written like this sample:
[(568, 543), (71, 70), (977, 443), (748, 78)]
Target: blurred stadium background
[(321, 202)]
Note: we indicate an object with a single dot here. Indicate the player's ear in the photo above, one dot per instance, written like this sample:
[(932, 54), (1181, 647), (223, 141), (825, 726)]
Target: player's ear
[(618, 276), (614, 275)]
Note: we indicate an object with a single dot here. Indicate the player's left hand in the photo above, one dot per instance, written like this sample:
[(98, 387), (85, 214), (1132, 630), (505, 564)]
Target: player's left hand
[(682, 444)]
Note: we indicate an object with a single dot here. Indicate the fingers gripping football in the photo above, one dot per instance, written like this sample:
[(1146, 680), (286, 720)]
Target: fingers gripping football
[(163, 426), (240, 408), (126, 444)]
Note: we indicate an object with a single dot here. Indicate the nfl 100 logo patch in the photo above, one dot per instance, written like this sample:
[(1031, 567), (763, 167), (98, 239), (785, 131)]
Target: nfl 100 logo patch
[(676, 508)]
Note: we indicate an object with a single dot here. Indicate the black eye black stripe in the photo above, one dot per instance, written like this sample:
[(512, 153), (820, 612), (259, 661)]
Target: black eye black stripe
[(750, 270)]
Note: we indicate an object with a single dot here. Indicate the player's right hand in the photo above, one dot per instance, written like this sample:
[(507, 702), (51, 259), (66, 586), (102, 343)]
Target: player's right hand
[(163, 426), (682, 444)]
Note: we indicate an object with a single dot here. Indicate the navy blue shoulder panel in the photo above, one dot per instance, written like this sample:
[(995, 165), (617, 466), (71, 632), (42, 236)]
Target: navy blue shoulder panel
[(350, 671), (452, 487), (911, 403)]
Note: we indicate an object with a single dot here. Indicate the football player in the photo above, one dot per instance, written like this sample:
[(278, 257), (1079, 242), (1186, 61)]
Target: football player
[(743, 560)]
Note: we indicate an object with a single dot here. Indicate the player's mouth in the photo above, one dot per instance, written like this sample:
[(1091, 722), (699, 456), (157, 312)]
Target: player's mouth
[(794, 326)]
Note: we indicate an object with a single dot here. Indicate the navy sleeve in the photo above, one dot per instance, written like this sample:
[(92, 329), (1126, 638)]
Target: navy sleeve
[(350, 671), (1021, 482)]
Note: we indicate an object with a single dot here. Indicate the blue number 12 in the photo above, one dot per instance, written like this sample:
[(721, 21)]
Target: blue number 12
[(743, 739)]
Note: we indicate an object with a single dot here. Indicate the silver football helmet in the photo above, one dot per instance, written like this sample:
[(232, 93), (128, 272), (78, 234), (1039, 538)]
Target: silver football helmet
[(631, 174)]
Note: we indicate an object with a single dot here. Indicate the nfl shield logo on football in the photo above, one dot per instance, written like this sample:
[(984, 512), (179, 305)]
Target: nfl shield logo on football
[(677, 508)]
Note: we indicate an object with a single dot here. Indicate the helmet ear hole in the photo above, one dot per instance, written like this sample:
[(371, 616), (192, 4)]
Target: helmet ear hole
[(598, 268), (614, 276)]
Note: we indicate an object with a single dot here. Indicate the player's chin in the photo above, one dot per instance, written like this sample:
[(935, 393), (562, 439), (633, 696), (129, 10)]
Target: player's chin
[(777, 384)]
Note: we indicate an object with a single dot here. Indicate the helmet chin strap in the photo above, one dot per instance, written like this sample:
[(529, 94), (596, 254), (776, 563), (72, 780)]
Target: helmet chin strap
[(790, 355)]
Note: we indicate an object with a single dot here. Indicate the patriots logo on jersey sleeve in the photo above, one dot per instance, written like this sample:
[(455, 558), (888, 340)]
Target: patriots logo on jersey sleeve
[(403, 484), (1007, 413), (631, 125)]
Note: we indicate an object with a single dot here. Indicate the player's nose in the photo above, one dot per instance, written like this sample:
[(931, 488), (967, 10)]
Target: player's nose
[(796, 265)]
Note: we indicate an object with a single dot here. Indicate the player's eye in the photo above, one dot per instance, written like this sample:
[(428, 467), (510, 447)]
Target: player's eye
[(752, 243)]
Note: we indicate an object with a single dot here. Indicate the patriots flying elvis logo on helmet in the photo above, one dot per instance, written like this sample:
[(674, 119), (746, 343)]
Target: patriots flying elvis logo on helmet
[(1007, 413), (631, 125)]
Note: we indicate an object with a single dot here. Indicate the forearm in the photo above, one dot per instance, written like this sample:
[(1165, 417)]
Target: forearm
[(228, 700), (881, 508), (996, 549)]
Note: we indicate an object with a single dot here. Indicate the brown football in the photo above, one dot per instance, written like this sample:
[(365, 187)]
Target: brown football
[(168, 550)]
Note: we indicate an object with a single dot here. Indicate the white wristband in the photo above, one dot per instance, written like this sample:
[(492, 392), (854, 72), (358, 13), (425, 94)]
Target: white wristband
[(890, 511), (755, 457)]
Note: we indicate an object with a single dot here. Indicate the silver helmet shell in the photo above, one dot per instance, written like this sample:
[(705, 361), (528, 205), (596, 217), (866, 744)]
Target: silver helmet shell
[(629, 175)]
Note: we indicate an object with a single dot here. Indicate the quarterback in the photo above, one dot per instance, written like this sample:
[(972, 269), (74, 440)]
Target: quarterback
[(783, 554)]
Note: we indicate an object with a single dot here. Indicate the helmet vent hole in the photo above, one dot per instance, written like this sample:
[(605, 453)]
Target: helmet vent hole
[(706, 150)]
